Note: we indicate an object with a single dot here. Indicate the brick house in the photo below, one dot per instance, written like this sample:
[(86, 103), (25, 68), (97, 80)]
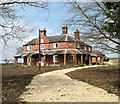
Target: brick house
[(57, 50)]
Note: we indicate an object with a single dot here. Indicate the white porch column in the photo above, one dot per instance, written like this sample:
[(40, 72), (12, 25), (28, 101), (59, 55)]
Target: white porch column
[(22, 61), (64, 59)]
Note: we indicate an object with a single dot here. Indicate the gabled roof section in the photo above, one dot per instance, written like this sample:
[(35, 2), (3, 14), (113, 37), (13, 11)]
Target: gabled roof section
[(76, 40), (32, 42), (98, 52), (59, 38), (46, 40)]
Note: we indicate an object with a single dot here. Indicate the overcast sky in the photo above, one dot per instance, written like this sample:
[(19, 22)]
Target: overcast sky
[(51, 18)]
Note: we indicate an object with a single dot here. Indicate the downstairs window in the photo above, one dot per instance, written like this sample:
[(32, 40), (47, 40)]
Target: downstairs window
[(70, 58), (55, 59)]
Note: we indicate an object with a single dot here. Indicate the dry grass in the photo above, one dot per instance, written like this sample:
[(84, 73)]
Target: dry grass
[(14, 79)]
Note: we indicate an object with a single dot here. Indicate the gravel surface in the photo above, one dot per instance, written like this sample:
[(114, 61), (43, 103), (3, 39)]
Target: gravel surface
[(57, 87)]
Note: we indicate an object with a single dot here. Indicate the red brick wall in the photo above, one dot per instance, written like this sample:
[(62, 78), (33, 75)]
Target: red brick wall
[(25, 48), (47, 46), (42, 37), (61, 45), (82, 47)]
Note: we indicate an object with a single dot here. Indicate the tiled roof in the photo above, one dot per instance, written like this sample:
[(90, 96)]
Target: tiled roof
[(54, 52), (58, 38), (98, 52), (32, 42)]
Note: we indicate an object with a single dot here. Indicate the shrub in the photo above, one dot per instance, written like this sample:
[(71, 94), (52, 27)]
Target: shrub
[(80, 65)]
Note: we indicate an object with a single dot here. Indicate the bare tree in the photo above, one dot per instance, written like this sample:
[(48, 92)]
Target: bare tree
[(90, 17), (20, 50), (10, 25), (7, 61)]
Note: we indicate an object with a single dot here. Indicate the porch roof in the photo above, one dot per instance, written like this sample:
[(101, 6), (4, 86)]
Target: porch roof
[(54, 52), (23, 54)]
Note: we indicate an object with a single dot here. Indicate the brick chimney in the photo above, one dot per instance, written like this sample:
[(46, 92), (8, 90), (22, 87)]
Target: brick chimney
[(64, 29), (43, 31), (76, 34)]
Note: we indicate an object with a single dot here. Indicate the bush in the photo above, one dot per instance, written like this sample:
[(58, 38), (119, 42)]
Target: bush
[(80, 65)]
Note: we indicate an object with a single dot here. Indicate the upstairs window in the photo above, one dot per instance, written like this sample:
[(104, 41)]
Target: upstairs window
[(42, 46), (85, 48), (42, 40), (55, 45), (78, 45), (55, 59), (29, 48), (28, 59), (89, 49)]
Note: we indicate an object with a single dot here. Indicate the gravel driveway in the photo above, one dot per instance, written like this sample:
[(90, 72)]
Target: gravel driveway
[(55, 86)]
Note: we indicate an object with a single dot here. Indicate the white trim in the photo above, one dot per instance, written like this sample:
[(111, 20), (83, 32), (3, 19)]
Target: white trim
[(29, 47), (66, 39), (54, 45), (54, 57), (42, 45), (42, 40), (89, 49), (65, 52), (85, 48)]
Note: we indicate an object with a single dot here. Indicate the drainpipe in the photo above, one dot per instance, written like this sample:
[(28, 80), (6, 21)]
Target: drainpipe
[(39, 52), (22, 60)]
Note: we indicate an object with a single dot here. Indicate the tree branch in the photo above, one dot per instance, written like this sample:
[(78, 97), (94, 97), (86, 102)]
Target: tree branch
[(95, 25)]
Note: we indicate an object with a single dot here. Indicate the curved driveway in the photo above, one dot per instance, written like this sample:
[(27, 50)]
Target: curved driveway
[(55, 86)]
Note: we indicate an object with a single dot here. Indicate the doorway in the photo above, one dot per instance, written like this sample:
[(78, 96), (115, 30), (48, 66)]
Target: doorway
[(42, 61)]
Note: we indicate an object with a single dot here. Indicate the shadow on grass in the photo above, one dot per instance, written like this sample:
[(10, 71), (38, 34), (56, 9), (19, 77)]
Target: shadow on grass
[(15, 79)]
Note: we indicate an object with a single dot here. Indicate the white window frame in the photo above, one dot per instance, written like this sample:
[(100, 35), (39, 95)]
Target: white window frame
[(42, 46), (85, 48), (69, 59), (78, 45), (55, 44), (54, 58), (28, 60), (29, 47), (42, 40), (89, 49)]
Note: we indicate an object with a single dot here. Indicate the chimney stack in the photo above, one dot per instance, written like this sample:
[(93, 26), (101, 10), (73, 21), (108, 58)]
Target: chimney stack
[(76, 34), (64, 29), (43, 31)]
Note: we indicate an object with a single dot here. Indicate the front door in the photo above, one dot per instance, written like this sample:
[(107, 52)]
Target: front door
[(42, 61), (29, 61)]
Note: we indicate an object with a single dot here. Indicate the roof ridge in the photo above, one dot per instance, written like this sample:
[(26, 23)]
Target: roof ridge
[(54, 35)]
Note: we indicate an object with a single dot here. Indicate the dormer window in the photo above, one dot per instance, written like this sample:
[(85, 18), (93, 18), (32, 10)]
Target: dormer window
[(55, 45), (85, 48), (29, 47), (42, 40)]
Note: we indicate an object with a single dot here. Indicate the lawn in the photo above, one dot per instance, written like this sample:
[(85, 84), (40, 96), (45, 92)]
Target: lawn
[(105, 77), (14, 79)]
